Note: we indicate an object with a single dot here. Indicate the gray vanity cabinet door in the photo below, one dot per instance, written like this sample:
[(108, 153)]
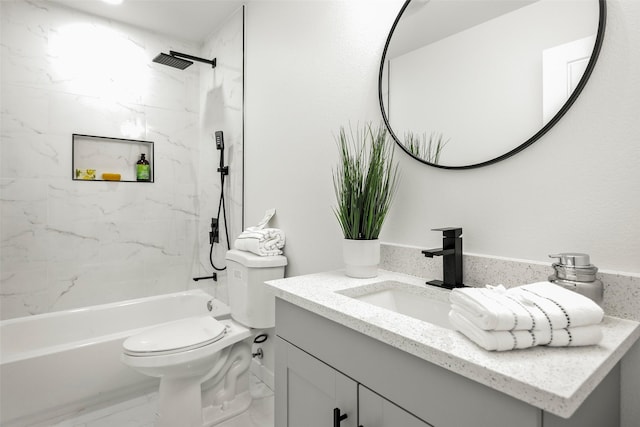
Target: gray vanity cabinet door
[(376, 411), (308, 391)]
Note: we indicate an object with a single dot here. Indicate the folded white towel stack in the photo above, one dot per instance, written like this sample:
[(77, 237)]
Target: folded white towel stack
[(537, 314), (263, 242)]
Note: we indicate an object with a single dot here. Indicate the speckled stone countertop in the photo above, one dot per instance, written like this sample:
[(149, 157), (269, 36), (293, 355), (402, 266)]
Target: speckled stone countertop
[(556, 380)]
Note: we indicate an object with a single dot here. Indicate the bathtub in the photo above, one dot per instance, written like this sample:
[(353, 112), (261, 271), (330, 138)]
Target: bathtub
[(55, 364)]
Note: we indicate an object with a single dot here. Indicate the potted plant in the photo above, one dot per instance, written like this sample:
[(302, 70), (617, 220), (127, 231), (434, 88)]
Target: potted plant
[(365, 182)]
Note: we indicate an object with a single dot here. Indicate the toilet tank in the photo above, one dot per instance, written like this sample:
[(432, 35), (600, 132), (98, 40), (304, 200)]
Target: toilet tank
[(250, 301)]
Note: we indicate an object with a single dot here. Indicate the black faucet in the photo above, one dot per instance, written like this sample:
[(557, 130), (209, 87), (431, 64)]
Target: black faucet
[(451, 252)]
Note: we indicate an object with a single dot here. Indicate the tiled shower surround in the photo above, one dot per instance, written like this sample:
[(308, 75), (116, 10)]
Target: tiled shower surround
[(68, 244)]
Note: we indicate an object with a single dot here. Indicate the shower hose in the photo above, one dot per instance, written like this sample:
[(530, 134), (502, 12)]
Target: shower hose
[(221, 210)]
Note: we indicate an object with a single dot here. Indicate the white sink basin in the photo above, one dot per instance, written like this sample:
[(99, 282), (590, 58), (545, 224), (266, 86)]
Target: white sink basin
[(405, 299)]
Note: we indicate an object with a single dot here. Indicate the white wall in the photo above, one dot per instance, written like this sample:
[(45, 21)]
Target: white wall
[(221, 109), (312, 66), (576, 189)]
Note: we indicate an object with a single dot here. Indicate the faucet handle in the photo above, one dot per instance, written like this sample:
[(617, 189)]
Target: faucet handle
[(449, 231)]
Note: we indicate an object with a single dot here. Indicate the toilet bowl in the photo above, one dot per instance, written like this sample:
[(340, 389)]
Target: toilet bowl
[(183, 354), (184, 348), (187, 353)]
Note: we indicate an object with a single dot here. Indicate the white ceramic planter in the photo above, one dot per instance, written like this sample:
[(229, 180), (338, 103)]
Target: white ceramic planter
[(361, 258)]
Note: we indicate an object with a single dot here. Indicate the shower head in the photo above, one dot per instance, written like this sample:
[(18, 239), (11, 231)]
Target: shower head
[(175, 60), (172, 61)]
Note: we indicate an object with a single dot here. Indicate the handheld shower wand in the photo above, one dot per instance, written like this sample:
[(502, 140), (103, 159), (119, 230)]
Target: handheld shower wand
[(224, 170), (214, 234), (219, 141)]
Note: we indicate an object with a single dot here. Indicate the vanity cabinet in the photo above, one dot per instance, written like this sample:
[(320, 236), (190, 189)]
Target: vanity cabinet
[(314, 390), (322, 365), (376, 411), (319, 396)]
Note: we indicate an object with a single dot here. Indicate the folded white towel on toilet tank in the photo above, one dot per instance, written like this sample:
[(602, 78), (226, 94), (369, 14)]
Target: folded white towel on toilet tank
[(538, 306), (263, 242), (519, 339)]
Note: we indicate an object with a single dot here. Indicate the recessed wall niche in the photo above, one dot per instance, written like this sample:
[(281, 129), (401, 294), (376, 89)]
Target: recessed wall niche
[(102, 158)]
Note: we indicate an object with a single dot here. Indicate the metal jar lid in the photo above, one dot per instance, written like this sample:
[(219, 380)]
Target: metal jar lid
[(574, 266)]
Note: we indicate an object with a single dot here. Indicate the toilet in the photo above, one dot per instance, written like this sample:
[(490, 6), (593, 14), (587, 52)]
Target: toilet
[(203, 362)]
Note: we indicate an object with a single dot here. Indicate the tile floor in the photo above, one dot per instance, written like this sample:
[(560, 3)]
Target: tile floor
[(139, 412)]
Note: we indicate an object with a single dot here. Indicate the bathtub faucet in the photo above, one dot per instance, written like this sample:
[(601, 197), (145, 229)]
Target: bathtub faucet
[(451, 253), (214, 277)]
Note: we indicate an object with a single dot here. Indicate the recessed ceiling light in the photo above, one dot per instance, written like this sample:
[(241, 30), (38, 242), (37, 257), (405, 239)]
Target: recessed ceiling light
[(112, 1)]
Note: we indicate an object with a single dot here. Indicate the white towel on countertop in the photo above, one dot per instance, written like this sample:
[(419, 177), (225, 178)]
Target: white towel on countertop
[(491, 308), (564, 308), (535, 306), (519, 339), (263, 242)]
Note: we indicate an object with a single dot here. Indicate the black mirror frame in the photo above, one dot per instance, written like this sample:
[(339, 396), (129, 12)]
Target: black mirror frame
[(572, 98)]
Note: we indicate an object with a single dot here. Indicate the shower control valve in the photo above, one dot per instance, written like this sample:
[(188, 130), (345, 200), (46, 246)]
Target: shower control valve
[(214, 234)]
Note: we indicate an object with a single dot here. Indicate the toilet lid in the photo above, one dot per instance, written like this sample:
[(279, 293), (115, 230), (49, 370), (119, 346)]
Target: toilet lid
[(174, 337)]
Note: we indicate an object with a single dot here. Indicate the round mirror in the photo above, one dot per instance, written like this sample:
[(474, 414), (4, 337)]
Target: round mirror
[(467, 83)]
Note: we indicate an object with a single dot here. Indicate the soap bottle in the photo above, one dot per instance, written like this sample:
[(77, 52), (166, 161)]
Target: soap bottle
[(575, 272), (143, 170)]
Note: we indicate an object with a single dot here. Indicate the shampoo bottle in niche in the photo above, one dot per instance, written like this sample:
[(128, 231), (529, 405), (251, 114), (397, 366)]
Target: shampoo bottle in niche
[(143, 170)]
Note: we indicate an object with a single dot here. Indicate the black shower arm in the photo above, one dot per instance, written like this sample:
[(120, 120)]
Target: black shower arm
[(193, 58)]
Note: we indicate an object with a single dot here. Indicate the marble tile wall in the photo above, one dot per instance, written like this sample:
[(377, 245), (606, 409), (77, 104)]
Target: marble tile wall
[(221, 109), (67, 244)]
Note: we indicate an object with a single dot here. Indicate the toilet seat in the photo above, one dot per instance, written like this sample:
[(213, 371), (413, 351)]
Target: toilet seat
[(175, 337)]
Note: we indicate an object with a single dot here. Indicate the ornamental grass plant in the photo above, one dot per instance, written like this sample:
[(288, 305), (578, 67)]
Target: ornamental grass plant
[(427, 149), (365, 181)]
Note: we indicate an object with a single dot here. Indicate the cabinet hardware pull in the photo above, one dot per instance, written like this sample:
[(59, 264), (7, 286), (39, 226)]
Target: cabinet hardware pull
[(337, 417)]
